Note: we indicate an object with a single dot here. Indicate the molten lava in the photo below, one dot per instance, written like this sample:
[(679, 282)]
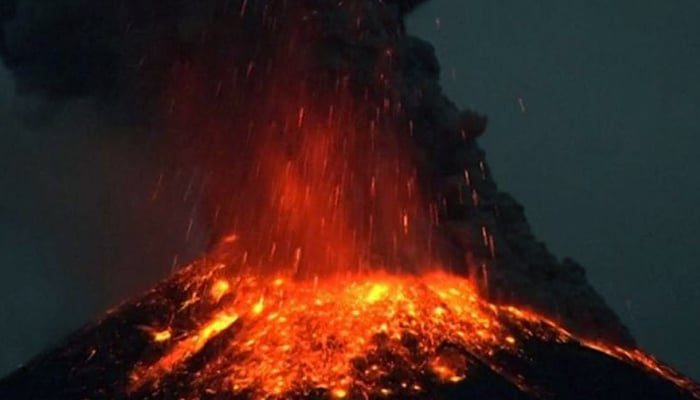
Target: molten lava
[(348, 337)]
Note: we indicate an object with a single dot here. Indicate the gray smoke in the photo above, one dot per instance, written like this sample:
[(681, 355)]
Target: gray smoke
[(113, 49)]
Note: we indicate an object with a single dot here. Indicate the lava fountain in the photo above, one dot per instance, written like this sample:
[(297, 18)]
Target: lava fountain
[(311, 170)]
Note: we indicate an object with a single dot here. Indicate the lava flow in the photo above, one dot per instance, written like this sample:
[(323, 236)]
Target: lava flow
[(355, 336)]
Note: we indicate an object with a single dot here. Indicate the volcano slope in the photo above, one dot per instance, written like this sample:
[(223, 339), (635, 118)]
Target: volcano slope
[(361, 248), (205, 334)]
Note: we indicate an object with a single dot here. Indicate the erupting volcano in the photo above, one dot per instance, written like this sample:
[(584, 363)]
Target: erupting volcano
[(360, 250), (358, 336)]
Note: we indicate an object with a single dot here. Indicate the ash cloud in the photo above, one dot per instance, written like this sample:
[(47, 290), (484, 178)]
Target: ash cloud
[(61, 49), (114, 50)]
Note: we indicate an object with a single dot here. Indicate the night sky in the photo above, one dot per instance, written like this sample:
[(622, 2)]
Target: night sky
[(595, 124)]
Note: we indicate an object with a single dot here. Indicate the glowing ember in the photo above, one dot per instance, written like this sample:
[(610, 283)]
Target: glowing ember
[(219, 289), (162, 336)]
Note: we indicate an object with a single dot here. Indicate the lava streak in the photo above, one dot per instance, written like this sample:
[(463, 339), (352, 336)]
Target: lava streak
[(350, 337)]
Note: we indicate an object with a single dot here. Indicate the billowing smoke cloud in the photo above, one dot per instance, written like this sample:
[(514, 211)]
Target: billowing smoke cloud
[(115, 49)]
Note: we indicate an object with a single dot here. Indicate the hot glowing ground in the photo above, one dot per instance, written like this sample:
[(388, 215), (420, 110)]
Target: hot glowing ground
[(347, 337)]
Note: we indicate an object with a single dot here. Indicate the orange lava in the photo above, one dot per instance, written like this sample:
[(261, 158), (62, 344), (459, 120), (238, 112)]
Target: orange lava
[(282, 336)]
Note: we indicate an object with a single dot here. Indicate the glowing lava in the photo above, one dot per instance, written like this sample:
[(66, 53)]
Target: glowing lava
[(352, 337)]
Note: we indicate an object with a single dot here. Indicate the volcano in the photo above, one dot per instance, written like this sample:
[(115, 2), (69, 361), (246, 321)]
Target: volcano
[(360, 247), (204, 334)]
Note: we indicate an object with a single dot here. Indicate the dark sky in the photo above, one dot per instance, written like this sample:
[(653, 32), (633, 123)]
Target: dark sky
[(601, 151), (605, 154)]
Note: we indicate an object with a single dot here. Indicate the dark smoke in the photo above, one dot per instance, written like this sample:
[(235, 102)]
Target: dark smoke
[(116, 50), (113, 51)]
